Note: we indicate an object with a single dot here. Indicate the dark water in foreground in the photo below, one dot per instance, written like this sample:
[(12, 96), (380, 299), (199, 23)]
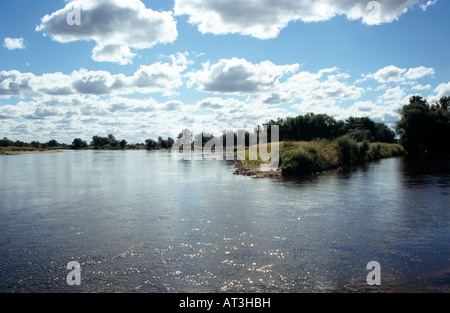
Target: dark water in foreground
[(140, 221)]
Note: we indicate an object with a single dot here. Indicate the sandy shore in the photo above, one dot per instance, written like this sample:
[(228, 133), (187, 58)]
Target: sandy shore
[(29, 152)]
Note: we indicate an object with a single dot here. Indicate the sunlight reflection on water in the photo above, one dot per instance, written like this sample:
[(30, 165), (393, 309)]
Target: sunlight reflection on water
[(142, 222)]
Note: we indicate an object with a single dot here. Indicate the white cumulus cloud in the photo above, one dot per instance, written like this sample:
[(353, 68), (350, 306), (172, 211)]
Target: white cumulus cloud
[(393, 74), (419, 72), (14, 43), (239, 76), (164, 78), (266, 18), (443, 90), (117, 27)]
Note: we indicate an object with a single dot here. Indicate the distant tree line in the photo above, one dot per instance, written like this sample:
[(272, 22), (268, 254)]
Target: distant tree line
[(5, 142), (98, 142), (422, 128), (301, 128), (151, 144), (108, 142), (310, 127), (111, 143)]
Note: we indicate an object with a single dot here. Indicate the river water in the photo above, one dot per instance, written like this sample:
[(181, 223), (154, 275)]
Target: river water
[(139, 221)]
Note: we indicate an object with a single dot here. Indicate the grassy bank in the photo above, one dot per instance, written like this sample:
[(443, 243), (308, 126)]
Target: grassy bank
[(309, 157), (301, 158)]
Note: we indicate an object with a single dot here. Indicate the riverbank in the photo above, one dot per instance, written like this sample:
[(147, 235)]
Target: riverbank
[(310, 157), (19, 151), (256, 171)]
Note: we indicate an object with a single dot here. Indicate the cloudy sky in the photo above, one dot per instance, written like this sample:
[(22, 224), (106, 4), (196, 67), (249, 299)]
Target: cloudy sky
[(143, 68)]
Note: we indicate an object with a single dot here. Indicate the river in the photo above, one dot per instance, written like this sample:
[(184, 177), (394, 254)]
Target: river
[(139, 221)]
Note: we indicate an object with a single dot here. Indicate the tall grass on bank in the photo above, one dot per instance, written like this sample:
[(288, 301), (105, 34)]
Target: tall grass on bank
[(255, 164), (301, 158)]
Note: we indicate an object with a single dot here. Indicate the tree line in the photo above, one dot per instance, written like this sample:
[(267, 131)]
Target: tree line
[(104, 143), (321, 126), (422, 128), (306, 128), (5, 142), (111, 143)]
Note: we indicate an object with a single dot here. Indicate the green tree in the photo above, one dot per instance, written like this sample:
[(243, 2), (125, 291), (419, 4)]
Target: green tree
[(112, 141), (78, 144), (308, 127), (412, 127), (444, 103), (5, 142), (19, 144), (123, 144), (425, 128), (170, 142), (375, 132), (383, 133), (360, 135), (100, 142), (52, 143), (36, 144), (151, 144)]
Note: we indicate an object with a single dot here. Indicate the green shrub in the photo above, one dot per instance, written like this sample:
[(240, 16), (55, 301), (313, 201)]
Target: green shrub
[(304, 158), (363, 150), (296, 162), (348, 150)]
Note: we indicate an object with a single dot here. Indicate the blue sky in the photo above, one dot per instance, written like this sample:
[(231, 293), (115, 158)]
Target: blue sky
[(140, 69)]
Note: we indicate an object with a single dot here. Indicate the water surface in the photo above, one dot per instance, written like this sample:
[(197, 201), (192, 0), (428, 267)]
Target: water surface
[(140, 221)]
